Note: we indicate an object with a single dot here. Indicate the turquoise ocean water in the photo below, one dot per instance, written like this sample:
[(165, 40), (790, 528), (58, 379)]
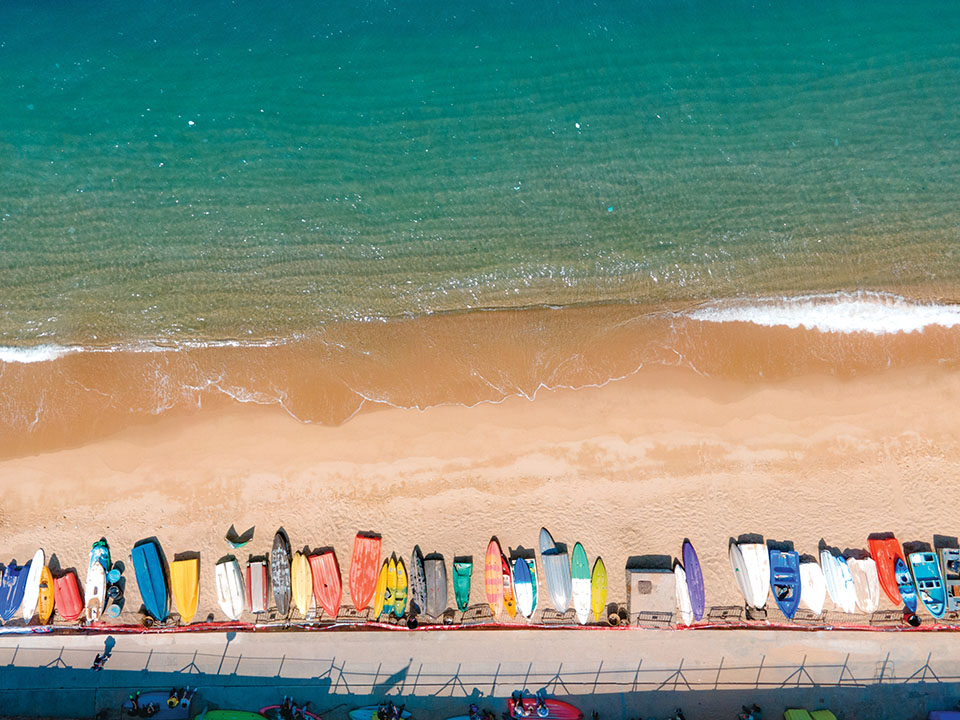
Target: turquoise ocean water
[(198, 171)]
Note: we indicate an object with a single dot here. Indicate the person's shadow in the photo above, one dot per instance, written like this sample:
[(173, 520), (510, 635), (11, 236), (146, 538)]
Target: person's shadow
[(108, 645)]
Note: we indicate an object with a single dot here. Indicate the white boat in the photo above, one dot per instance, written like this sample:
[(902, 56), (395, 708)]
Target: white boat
[(95, 590), (839, 581), (813, 586), (31, 594), (684, 607), (866, 583), (751, 567), (230, 589)]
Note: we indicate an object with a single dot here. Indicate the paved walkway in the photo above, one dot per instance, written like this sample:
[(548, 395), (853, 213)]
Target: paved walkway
[(621, 674)]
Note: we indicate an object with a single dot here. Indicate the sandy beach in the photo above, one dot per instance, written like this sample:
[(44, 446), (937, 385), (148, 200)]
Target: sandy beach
[(630, 468)]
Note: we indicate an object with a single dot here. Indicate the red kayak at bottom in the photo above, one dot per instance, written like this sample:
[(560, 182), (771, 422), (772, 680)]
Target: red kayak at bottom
[(556, 710)]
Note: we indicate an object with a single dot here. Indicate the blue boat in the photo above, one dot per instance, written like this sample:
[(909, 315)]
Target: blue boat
[(785, 581), (905, 584), (11, 590), (926, 576), (151, 580)]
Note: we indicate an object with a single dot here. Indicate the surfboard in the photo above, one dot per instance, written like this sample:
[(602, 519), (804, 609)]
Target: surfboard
[(684, 609), (230, 589), (493, 578), (436, 576), (885, 552), (390, 593), (462, 573), (509, 599), (532, 565), (785, 581), (280, 572), (580, 583), (523, 587), (400, 596), (813, 586), (691, 566), (381, 590), (866, 583), (598, 590), (301, 583), (68, 598), (94, 592), (31, 591), (907, 591), (556, 570), (151, 580), (257, 586), (929, 583), (417, 583), (364, 570), (556, 709), (839, 581), (752, 583), (327, 587), (185, 587), (46, 596)]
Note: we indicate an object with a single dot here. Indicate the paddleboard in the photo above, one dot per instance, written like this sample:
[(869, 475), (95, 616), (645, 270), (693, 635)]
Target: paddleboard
[(691, 566), (417, 582), (46, 596), (280, 572), (839, 581), (68, 598), (785, 581), (532, 565), (94, 592), (151, 580), (580, 583), (493, 578), (753, 585), (866, 583), (598, 590), (556, 710), (327, 588), (929, 583), (31, 591), (230, 589), (523, 587), (257, 586), (185, 587), (462, 573), (436, 575), (905, 586), (301, 583), (400, 596), (556, 570), (364, 570), (509, 599), (381, 590), (813, 586), (885, 553), (684, 609)]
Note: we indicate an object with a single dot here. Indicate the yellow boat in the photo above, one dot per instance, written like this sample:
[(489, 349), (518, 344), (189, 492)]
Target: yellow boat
[(598, 590), (301, 582), (400, 596), (391, 589), (45, 602), (185, 584), (380, 590)]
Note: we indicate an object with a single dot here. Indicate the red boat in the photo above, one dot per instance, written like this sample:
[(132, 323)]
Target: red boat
[(885, 551), (556, 710), (68, 598), (364, 568), (257, 586), (327, 588)]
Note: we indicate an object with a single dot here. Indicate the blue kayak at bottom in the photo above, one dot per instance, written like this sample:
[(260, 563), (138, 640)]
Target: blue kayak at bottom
[(151, 580), (11, 590), (785, 580)]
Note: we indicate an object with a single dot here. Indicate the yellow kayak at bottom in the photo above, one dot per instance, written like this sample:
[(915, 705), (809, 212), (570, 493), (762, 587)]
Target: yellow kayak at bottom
[(823, 715), (796, 714), (598, 590), (380, 590), (185, 584), (301, 582)]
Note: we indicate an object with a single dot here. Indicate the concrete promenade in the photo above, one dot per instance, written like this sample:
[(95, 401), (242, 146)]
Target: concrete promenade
[(620, 674)]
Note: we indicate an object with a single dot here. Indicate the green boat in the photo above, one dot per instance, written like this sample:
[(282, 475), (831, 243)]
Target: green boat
[(462, 570)]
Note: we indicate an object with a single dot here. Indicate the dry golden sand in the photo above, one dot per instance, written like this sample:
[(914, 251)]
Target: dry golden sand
[(627, 469)]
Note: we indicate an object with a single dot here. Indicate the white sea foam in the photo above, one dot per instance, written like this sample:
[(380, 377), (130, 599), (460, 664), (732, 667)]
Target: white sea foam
[(34, 354), (48, 352), (857, 312)]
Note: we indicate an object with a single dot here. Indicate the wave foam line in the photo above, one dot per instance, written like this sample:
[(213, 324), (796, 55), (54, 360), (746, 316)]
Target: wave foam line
[(860, 312)]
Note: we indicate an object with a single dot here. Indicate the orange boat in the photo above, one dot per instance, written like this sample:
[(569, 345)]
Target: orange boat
[(493, 578), (69, 599), (327, 587), (885, 550), (509, 601), (364, 567)]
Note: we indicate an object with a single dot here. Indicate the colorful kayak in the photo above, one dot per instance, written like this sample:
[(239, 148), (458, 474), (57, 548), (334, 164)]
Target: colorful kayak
[(327, 588), (580, 583), (462, 574), (435, 572), (68, 597), (418, 583), (185, 587), (885, 552), (926, 576), (257, 586), (682, 592), (691, 565), (159, 704), (555, 709), (598, 590), (46, 596), (389, 597), (532, 565), (509, 599), (400, 596), (493, 578), (785, 581), (556, 570), (905, 587), (813, 586), (364, 569), (230, 589), (839, 581), (150, 579), (301, 583), (380, 591), (95, 589), (866, 583), (11, 590), (31, 592), (280, 572), (523, 587)]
